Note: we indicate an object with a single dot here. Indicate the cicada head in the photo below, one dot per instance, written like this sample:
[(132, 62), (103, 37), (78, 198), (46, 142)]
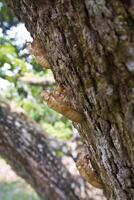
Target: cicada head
[(29, 47), (35, 47), (36, 50), (45, 95)]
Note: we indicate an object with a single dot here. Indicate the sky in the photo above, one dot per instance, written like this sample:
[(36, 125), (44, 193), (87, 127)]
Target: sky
[(18, 32), (21, 36)]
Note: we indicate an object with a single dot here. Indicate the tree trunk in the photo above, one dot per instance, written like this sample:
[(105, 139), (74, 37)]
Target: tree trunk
[(26, 149), (90, 47)]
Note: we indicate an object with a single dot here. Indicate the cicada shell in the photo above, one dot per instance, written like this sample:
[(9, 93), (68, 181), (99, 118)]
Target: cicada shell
[(58, 103), (36, 50), (42, 61), (73, 115), (88, 173)]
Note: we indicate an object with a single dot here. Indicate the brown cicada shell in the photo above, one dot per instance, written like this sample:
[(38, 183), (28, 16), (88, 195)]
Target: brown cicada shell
[(58, 102), (84, 167), (36, 50)]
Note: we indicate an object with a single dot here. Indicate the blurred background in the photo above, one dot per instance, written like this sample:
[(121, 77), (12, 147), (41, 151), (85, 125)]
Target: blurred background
[(21, 82)]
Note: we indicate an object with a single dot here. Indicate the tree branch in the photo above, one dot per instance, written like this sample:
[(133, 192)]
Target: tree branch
[(25, 147), (47, 81)]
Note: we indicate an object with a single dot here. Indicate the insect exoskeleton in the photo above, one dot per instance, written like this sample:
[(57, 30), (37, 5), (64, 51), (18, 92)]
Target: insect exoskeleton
[(42, 61), (74, 115), (88, 173), (57, 103), (36, 50)]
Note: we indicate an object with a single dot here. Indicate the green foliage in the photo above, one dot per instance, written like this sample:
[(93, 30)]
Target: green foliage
[(52, 122), (12, 187), (16, 191), (11, 66), (59, 129), (15, 62), (7, 19)]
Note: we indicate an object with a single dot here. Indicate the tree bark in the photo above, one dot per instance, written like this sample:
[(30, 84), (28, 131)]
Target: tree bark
[(25, 147), (90, 47)]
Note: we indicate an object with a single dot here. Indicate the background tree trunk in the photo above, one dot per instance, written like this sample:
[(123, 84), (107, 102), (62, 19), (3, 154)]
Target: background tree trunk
[(90, 47), (26, 149), (32, 154)]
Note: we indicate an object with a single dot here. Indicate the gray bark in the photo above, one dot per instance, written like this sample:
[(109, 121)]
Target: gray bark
[(25, 147), (90, 46)]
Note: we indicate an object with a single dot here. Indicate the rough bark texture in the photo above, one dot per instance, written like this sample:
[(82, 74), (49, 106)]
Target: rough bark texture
[(90, 46), (26, 149)]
